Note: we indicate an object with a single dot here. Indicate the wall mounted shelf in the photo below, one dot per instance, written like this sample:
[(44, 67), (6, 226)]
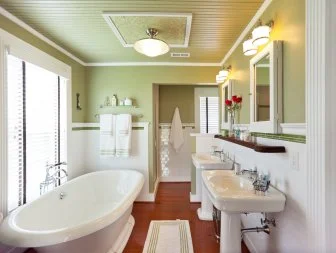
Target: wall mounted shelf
[(256, 147), (120, 109)]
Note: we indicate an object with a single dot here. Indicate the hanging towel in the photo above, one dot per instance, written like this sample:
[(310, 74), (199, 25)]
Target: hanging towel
[(176, 132), (107, 135), (123, 135)]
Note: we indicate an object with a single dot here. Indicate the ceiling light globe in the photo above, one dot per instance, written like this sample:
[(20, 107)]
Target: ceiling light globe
[(261, 35), (249, 48), (151, 47)]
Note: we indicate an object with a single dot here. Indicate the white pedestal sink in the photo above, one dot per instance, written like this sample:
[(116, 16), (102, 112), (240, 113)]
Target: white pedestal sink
[(234, 195), (205, 161)]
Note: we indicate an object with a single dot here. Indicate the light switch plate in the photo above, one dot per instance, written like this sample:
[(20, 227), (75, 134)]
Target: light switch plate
[(295, 161)]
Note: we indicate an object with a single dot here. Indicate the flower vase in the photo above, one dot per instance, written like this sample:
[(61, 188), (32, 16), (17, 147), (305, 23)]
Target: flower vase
[(231, 124)]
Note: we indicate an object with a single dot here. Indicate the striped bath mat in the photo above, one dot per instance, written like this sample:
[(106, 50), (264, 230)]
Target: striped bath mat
[(170, 236)]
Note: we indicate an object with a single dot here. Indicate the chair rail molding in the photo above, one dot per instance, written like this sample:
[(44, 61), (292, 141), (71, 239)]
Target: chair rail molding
[(321, 123)]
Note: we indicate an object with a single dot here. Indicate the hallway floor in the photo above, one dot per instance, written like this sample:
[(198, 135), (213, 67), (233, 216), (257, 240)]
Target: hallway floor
[(172, 202)]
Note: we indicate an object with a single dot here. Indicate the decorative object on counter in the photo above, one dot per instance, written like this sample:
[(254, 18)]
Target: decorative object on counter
[(232, 106), (107, 102), (261, 184), (114, 100), (255, 146), (121, 102), (128, 102), (78, 106)]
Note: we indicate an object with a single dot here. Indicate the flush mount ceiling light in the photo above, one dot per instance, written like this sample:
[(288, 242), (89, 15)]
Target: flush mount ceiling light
[(249, 48), (261, 34), (151, 46), (223, 74)]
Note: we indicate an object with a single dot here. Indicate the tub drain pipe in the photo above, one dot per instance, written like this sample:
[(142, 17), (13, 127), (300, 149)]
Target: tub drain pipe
[(264, 229)]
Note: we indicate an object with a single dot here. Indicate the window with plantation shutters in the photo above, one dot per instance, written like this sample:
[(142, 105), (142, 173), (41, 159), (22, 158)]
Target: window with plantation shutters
[(36, 116), (209, 115)]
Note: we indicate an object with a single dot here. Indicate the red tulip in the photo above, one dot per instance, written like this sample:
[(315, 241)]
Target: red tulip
[(234, 98), (228, 102)]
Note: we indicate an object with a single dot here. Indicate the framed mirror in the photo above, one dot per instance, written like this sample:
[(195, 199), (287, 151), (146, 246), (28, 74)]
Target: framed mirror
[(227, 91), (266, 89)]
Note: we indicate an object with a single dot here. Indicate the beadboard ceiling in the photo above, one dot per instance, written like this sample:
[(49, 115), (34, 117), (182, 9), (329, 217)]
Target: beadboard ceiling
[(79, 26)]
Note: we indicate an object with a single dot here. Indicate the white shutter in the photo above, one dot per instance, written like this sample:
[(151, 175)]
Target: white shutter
[(209, 115), (37, 128), (15, 132)]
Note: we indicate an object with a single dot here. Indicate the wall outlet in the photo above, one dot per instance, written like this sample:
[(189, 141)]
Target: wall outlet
[(294, 161)]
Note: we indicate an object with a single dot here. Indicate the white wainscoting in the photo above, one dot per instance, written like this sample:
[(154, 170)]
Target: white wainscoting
[(289, 234), (85, 155)]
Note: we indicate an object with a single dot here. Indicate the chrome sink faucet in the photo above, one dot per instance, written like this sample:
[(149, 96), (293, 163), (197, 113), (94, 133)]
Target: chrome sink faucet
[(253, 173)]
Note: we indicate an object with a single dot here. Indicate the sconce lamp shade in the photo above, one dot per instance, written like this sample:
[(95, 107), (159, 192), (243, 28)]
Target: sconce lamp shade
[(261, 35), (219, 79), (249, 48)]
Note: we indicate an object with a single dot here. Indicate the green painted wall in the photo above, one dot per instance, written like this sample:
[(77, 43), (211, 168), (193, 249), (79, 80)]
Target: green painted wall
[(172, 96), (78, 71), (289, 18), (137, 83)]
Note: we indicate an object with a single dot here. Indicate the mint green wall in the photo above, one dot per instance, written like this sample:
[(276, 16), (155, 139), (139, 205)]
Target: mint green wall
[(289, 26), (137, 83), (78, 71)]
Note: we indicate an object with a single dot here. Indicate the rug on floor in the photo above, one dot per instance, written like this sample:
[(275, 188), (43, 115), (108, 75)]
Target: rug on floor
[(168, 236)]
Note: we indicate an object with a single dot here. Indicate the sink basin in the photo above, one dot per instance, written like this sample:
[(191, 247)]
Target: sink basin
[(234, 195), (206, 161), (231, 193)]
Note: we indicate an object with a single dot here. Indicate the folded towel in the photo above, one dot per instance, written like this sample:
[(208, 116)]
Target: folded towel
[(123, 135), (107, 135), (176, 138)]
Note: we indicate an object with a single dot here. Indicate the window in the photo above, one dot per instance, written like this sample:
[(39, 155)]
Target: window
[(209, 115), (36, 116)]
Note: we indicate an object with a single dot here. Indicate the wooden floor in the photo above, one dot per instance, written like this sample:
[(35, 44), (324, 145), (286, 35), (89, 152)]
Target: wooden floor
[(172, 202)]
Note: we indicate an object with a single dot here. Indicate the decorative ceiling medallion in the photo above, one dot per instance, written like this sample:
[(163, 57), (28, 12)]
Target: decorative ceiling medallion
[(129, 27)]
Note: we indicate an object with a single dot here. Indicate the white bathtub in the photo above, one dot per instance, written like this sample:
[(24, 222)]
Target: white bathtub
[(93, 217)]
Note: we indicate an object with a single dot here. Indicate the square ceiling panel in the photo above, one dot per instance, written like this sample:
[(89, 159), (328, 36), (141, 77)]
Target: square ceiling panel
[(173, 28)]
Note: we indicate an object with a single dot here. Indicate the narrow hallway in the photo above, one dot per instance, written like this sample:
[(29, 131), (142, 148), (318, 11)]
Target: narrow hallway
[(172, 202)]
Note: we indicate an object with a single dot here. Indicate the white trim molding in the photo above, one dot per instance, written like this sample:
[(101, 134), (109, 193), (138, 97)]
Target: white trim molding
[(176, 64), (107, 16), (22, 24), (293, 128), (321, 124), (247, 29)]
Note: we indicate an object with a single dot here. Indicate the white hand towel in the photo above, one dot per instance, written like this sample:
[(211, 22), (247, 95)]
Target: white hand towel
[(176, 138), (107, 135), (123, 135)]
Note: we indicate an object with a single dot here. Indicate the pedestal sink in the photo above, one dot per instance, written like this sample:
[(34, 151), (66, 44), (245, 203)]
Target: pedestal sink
[(233, 195), (206, 161)]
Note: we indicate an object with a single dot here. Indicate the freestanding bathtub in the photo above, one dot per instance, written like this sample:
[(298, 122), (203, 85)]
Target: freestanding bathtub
[(89, 214)]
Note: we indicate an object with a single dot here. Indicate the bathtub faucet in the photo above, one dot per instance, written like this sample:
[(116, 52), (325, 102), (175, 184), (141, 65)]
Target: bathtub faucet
[(52, 179)]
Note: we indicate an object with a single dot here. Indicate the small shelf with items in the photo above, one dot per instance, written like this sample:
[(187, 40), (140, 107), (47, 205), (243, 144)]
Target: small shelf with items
[(255, 146), (111, 106)]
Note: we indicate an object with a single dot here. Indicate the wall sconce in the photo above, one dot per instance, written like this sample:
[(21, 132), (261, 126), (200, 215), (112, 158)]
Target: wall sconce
[(261, 34), (249, 48), (223, 74)]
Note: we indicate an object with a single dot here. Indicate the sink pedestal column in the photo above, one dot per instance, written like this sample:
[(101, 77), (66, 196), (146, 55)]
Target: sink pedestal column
[(205, 212), (230, 239)]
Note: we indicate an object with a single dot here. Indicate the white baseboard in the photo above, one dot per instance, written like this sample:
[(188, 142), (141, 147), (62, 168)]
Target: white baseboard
[(195, 198), (249, 244), (175, 179), (149, 197)]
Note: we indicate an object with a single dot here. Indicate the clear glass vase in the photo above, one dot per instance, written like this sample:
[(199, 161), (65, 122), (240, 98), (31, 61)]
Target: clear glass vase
[(231, 124)]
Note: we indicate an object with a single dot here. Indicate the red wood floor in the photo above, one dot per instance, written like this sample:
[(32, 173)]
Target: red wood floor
[(172, 202)]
